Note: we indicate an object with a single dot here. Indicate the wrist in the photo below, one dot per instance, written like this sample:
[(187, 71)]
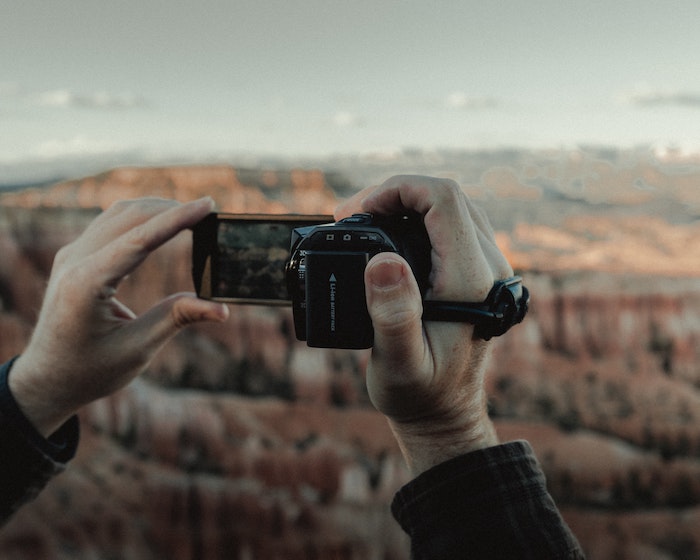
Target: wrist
[(424, 447), (34, 399)]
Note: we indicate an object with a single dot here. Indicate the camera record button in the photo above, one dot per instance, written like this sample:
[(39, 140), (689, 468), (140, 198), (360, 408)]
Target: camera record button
[(357, 219)]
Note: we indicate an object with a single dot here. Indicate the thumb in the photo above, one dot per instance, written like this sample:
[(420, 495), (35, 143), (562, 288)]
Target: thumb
[(394, 304), (164, 320)]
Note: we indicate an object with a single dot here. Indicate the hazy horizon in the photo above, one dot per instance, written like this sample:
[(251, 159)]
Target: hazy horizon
[(133, 82)]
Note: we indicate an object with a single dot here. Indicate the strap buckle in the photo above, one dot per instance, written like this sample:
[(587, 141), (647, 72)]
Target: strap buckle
[(506, 305)]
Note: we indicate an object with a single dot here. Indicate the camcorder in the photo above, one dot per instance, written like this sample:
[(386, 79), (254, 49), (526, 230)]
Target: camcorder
[(317, 265)]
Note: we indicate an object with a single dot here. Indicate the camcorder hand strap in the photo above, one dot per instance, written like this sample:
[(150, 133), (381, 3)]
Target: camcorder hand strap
[(505, 306)]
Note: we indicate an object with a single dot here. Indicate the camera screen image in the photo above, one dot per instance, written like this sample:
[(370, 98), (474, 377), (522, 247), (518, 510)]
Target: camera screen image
[(252, 256)]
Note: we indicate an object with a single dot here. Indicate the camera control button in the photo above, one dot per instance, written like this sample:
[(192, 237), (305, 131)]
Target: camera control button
[(369, 237), (357, 219), (322, 237)]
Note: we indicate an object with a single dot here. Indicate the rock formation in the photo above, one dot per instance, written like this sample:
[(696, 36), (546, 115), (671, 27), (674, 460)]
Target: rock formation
[(240, 442)]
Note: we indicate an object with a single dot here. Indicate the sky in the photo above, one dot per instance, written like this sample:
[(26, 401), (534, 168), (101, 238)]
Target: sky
[(155, 79)]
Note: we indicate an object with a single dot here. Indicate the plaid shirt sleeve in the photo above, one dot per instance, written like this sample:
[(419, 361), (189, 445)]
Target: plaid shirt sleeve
[(488, 504), (27, 459)]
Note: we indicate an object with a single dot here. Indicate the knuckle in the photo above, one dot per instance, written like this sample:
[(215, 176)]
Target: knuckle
[(182, 314), (138, 239), (449, 189), (62, 256), (394, 320), (119, 206)]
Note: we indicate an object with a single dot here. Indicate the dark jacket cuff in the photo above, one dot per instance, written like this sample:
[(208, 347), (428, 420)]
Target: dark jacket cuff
[(27, 459), (492, 503), (59, 446)]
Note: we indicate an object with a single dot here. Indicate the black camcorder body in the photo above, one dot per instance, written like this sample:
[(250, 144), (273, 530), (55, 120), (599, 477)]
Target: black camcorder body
[(317, 266), (325, 274)]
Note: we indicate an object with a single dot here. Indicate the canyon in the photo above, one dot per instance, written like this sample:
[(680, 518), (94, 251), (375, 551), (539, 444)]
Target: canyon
[(241, 442)]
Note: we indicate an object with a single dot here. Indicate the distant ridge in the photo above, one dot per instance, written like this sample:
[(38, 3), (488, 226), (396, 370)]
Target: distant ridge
[(594, 174), (234, 190), (632, 216)]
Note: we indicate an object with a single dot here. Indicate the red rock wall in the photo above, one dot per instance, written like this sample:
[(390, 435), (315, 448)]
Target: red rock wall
[(240, 442)]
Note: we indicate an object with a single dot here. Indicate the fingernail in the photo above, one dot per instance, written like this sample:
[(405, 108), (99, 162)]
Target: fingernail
[(386, 273), (222, 313)]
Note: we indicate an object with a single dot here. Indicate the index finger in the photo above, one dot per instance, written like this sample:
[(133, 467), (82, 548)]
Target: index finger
[(122, 255), (460, 268), (119, 218)]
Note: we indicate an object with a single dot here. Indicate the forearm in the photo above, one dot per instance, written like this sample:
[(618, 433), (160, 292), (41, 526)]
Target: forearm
[(488, 504), (27, 459)]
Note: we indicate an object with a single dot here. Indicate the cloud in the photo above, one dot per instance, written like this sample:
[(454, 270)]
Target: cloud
[(346, 119), (461, 100), (78, 145), (63, 98), (647, 97)]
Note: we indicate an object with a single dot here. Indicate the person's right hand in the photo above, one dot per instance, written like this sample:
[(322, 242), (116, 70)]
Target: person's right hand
[(87, 343), (428, 378)]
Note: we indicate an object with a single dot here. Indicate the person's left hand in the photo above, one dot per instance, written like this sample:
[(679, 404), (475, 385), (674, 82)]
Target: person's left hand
[(87, 343), (427, 377)]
